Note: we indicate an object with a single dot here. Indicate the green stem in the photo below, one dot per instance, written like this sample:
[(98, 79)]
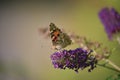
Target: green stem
[(115, 67), (107, 67), (112, 64), (118, 39)]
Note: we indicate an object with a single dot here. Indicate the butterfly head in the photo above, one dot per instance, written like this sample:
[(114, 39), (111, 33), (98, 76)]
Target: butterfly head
[(52, 27)]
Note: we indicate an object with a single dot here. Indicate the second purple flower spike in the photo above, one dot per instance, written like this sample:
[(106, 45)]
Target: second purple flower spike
[(111, 21)]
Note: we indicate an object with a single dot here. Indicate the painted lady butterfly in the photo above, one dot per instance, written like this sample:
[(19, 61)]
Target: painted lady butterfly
[(59, 39)]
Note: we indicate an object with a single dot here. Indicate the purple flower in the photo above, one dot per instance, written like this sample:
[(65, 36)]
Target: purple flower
[(74, 59), (111, 21)]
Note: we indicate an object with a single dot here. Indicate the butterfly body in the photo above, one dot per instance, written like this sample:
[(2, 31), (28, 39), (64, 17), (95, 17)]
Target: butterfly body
[(55, 36)]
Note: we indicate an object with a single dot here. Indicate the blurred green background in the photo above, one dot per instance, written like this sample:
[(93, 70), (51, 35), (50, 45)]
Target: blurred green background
[(25, 55)]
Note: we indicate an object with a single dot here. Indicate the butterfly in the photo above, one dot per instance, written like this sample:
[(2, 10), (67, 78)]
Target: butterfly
[(59, 39)]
